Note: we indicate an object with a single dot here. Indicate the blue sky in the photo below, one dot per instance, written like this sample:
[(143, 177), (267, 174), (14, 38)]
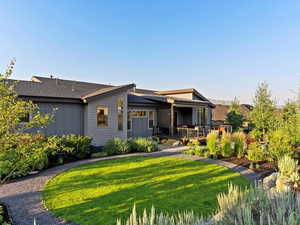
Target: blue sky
[(222, 48)]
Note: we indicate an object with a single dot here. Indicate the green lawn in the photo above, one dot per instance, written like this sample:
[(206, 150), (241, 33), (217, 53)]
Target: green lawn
[(101, 192)]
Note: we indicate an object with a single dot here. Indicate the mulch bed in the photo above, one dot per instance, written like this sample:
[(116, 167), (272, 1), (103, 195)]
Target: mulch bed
[(265, 168), (4, 217)]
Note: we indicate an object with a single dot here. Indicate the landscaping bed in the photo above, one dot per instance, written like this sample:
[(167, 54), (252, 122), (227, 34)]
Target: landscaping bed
[(264, 167)]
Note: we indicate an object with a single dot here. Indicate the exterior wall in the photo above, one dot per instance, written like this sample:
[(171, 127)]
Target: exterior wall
[(101, 135), (184, 95), (68, 119), (139, 125)]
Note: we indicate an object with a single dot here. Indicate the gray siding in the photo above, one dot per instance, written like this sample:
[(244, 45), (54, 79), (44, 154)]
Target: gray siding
[(68, 118), (101, 135)]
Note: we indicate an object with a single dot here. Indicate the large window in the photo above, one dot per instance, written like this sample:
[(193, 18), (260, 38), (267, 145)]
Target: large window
[(102, 116), (151, 119), (120, 105)]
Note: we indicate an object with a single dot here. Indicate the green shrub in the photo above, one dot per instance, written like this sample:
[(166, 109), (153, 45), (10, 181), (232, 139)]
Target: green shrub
[(143, 145), (212, 142), (239, 140), (226, 149), (280, 144), (255, 153), (68, 148), (17, 160), (116, 146)]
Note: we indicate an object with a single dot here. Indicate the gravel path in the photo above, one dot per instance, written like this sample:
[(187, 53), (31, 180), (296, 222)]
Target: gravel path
[(24, 200)]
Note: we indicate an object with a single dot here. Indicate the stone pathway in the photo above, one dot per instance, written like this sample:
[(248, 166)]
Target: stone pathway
[(24, 200)]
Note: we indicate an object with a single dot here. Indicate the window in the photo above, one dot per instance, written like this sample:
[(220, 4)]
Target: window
[(129, 121), (120, 105), (138, 113), (151, 119), (102, 116)]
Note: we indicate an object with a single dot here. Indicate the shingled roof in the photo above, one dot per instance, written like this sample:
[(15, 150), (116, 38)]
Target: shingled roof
[(45, 87), (59, 88)]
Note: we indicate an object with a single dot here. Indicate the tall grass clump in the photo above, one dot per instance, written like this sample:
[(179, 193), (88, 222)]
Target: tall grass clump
[(154, 218), (226, 149), (287, 166), (258, 206), (212, 142), (239, 140)]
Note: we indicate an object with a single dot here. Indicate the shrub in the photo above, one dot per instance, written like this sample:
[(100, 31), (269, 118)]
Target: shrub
[(18, 159), (143, 145), (226, 149), (279, 145), (212, 142), (239, 140), (116, 146), (255, 153), (68, 148)]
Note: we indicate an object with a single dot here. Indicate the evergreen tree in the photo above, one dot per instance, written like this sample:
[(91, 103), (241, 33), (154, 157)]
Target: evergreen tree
[(263, 115)]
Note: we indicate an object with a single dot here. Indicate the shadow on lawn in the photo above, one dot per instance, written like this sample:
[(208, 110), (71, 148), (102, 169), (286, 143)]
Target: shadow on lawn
[(170, 185)]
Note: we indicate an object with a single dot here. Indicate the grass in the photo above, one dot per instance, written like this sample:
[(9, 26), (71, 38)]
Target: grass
[(101, 192)]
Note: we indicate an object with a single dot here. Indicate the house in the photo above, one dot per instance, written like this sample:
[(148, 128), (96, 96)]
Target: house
[(219, 113), (104, 111)]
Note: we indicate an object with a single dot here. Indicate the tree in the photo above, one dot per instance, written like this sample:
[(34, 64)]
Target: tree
[(20, 151), (263, 115), (234, 116)]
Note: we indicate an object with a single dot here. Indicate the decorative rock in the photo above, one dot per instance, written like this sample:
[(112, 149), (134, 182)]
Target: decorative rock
[(270, 181)]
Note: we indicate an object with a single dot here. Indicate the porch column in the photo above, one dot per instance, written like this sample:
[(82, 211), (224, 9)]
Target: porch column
[(172, 120)]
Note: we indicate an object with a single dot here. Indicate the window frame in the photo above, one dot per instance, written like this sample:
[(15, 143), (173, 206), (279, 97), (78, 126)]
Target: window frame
[(107, 116)]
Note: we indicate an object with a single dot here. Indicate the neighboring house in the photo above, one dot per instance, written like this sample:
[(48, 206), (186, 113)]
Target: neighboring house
[(104, 112), (219, 113)]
